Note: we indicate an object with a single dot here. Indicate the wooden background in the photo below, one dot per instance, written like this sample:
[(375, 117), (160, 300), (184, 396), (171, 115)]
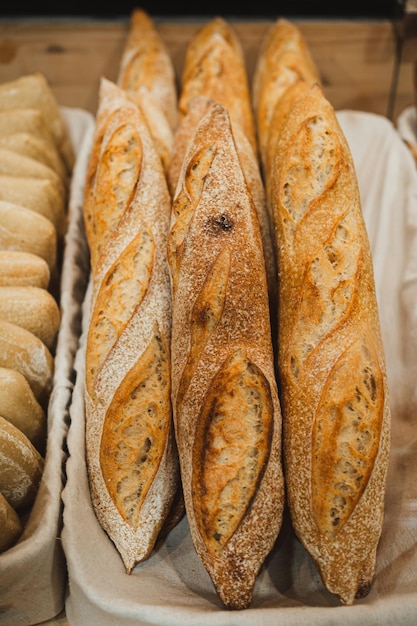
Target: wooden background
[(365, 65)]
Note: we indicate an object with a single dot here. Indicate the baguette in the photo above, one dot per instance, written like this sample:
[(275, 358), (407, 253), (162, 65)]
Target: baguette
[(331, 363), (10, 525), (147, 75), (215, 71), (21, 467), (27, 231), (284, 57), (19, 406), (32, 308), (226, 409), (23, 351), (215, 67), (23, 269), (131, 454)]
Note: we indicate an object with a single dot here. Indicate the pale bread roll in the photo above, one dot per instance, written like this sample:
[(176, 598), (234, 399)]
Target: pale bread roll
[(26, 230), (33, 91), (23, 269), (25, 120), (10, 525), (37, 194), (37, 148), (32, 308), (23, 351), (21, 467), (19, 406)]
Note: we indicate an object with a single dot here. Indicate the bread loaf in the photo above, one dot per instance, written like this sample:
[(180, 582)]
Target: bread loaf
[(215, 71), (226, 409), (19, 406), (38, 194), (283, 58), (21, 467), (130, 446), (27, 231), (147, 75), (23, 351), (32, 308), (214, 66), (10, 525), (37, 148), (25, 120), (331, 363), (32, 91), (23, 269)]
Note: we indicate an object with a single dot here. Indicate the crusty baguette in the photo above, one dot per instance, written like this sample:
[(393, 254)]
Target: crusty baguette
[(21, 467), (147, 75), (226, 409), (23, 269), (283, 58), (215, 71), (23, 351), (19, 405), (32, 308), (131, 455), (215, 67), (10, 525), (28, 231), (33, 91), (331, 362)]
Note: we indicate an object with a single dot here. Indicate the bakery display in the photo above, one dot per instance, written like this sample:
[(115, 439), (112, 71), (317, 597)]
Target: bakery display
[(160, 416)]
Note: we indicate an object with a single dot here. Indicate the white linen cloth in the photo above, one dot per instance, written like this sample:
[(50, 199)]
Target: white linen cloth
[(33, 575), (172, 587)]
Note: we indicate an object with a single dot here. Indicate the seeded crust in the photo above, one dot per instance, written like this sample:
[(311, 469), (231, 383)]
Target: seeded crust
[(131, 454), (147, 75), (283, 58), (214, 66), (226, 409), (331, 360)]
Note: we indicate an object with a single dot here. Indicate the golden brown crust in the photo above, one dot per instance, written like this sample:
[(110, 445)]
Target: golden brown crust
[(331, 360), (214, 67), (131, 454), (226, 408), (147, 75), (283, 58)]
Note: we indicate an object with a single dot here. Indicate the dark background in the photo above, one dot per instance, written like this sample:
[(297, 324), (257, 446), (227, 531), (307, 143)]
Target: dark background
[(255, 8)]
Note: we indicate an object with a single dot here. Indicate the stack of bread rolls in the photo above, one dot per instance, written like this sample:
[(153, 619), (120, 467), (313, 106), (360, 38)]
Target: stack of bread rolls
[(35, 166), (251, 229)]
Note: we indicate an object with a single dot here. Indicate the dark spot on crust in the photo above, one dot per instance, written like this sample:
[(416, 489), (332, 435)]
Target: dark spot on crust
[(222, 223), (363, 589)]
